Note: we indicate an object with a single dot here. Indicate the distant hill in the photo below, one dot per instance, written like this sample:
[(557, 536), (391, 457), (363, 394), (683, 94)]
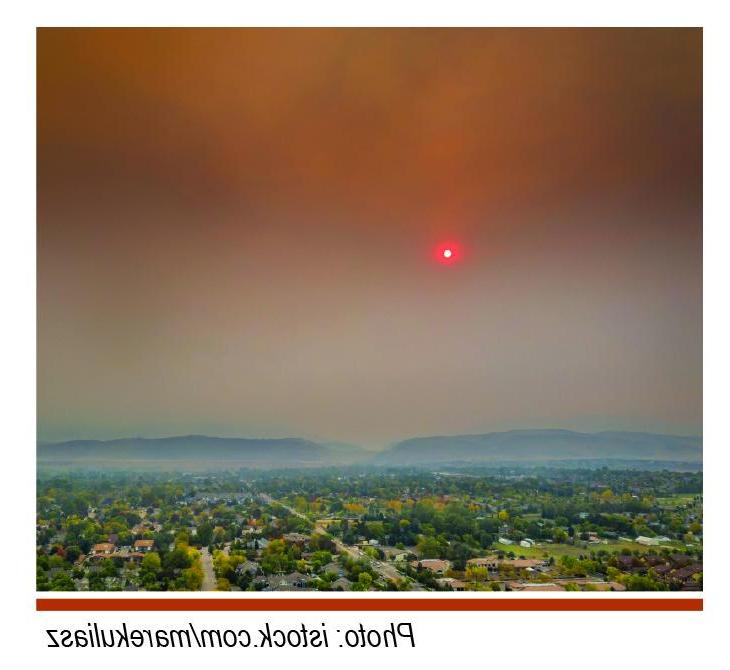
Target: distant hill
[(188, 450), (516, 446), (535, 446)]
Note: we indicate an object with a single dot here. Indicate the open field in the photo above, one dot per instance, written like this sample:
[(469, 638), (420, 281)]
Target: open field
[(675, 500), (559, 550)]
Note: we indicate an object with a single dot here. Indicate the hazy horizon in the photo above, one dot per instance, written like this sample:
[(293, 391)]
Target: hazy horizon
[(338, 443), (238, 229)]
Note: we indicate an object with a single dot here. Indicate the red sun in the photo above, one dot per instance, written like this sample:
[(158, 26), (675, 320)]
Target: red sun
[(447, 253)]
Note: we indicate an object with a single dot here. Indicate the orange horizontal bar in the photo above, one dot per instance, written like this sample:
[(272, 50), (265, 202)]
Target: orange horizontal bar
[(368, 604)]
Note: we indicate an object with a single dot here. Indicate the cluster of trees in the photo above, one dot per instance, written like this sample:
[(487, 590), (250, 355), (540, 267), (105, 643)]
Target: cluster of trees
[(176, 570)]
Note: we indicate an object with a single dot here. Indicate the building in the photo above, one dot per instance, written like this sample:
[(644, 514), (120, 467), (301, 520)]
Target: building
[(435, 565), (451, 583), (342, 584), (489, 562), (395, 554), (257, 543), (102, 549), (334, 568), (144, 545), (247, 567), (522, 563), (528, 587), (292, 581)]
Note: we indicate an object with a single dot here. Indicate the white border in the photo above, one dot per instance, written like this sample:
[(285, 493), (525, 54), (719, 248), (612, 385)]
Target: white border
[(646, 638), (372, 595)]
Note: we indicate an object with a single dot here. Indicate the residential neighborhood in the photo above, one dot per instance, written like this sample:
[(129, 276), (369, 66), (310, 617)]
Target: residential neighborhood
[(370, 530)]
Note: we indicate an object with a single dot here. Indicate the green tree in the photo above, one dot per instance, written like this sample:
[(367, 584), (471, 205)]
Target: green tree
[(366, 579)]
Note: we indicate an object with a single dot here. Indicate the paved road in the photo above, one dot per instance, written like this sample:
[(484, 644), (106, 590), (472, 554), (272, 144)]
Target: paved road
[(209, 580), (385, 570)]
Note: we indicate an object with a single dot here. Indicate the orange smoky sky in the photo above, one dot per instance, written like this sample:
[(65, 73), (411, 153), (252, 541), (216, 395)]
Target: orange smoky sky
[(236, 231)]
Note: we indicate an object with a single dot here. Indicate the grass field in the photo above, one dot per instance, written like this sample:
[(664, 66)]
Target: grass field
[(559, 550), (670, 502)]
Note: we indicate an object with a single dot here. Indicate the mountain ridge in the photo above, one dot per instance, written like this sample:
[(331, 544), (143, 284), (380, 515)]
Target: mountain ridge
[(540, 445), (514, 446), (186, 447)]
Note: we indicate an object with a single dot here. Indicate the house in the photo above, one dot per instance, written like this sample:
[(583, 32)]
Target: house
[(146, 527), (522, 563), (342, 584), (334, 568), (528, 587), (395, 554), (680, 559), (102, 549), (527, 543), (451, 583), (489, 562), (144, 545), (435, 565), (290, 582), (247, 567), (296, 538), (625, 562), (686, 573), (298, 579)]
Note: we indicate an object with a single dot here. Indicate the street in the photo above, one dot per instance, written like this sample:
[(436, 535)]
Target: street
[(385, 570), (206, 560)]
